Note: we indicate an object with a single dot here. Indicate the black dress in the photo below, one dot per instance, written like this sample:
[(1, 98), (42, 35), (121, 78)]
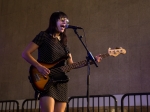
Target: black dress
[(50, 50)]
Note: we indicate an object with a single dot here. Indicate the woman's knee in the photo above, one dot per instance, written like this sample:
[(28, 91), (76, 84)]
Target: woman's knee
[(60, 106)]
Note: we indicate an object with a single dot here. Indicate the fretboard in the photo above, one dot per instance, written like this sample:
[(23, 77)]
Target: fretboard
[(79, 64)]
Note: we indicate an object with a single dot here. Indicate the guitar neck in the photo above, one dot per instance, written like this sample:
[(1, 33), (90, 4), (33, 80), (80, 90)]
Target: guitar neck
[(79, 64)]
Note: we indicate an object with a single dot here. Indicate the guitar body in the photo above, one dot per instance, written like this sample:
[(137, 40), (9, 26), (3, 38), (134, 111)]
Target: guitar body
[(40, 83)]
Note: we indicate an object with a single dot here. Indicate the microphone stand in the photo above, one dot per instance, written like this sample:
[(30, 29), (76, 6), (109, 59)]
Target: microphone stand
[(89, 57)]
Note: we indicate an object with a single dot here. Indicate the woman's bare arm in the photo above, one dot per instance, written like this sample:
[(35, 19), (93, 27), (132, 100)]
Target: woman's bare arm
[(27, 55)]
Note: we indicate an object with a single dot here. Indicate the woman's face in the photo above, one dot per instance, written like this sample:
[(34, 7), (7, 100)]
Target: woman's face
[(61, 24)]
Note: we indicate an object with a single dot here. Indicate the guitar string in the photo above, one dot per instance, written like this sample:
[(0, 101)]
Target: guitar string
[(67, 68)]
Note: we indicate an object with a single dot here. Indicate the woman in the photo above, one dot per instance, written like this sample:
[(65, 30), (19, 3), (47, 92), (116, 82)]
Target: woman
[(52, 46)]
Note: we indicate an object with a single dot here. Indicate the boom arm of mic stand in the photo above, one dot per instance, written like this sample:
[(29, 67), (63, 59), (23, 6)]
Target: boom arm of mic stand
[(90, 56)]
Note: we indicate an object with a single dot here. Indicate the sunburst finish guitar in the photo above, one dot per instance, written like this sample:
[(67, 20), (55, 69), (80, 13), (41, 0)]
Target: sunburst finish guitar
[(41, 84)]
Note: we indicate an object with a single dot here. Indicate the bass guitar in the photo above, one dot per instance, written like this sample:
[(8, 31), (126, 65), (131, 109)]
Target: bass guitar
[(41, 84)]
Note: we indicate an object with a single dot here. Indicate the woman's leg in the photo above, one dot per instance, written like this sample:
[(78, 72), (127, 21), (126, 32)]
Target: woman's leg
[(60, 106), (47, 104)]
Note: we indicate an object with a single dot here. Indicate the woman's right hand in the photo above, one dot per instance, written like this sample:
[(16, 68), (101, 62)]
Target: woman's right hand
[(43, 70)]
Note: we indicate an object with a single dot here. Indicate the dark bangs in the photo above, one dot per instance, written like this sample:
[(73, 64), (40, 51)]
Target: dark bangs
[(62, 15)]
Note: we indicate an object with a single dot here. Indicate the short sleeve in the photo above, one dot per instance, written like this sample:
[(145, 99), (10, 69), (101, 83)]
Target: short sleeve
[(39, 39)]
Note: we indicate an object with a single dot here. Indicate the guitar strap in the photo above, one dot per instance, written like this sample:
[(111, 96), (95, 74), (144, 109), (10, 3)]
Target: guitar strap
[(36, 94), (67, 51), (36, 100)]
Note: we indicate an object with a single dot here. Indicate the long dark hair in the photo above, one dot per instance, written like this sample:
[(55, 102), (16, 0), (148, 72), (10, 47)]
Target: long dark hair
[(52, 28)]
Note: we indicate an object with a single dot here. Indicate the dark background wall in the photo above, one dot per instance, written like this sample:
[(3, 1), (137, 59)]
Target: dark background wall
[(107, 23)]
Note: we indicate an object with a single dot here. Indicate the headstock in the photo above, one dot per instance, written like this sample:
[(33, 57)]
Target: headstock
[(116, 52)]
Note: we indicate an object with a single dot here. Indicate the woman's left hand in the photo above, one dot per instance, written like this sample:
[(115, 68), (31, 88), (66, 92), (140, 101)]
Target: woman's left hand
[(98, 58)]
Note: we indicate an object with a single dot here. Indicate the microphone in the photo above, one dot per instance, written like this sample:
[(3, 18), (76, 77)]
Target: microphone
[(73, 27)]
